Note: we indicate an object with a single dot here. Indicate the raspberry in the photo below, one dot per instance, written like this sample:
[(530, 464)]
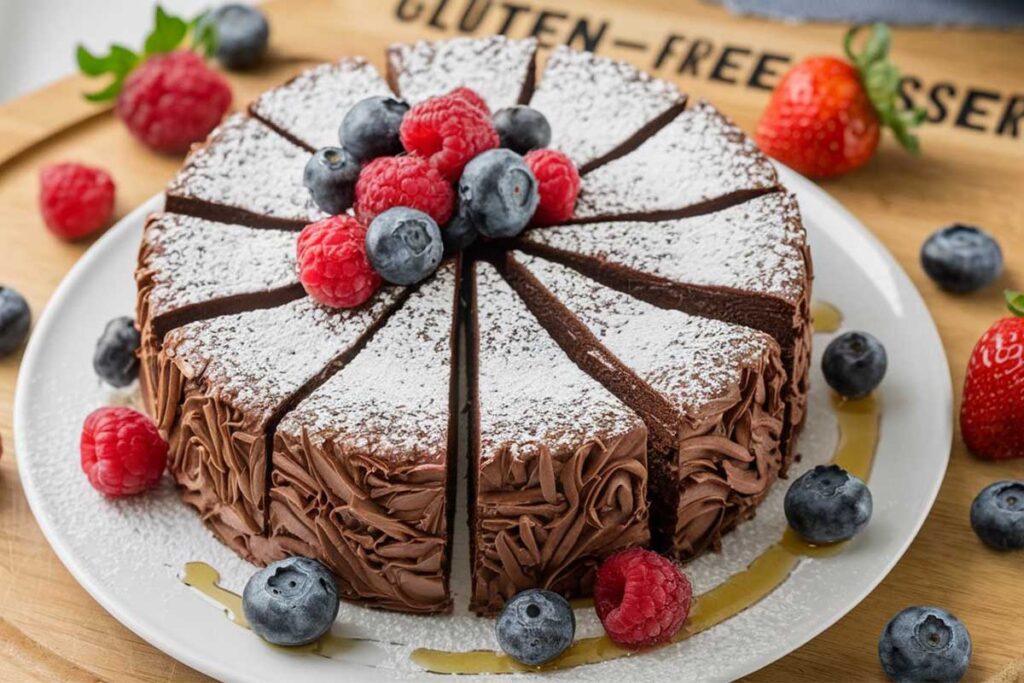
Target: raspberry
[(387, 182), (448, 131), (333, 267), (173, 100), (471, 96), (75, 200), (641, 598), (122, 452), (558, 183)]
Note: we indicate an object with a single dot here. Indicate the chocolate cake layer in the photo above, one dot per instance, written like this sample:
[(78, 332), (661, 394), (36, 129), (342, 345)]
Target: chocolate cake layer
[(698, 162), (599, 108), (748, 264), (308, 109), (499, 69), (190, 268), (559, 467), (362, 468), (225, 383), (245, 173), (711, 393)]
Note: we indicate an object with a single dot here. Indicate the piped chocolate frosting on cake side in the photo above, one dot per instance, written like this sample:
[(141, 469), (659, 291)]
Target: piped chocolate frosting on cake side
[(558, 465), (499, 69), (364, 468)]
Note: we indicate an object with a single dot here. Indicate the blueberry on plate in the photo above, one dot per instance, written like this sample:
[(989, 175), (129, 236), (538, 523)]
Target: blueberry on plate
[(240, 34), (498, 192), (458, 234), (404, 245), (370, 128), (536, 626), (291, 602), (997, 515), (521, 128), (115, 359), (925, 644), (854, 364), (961, 258), (827, 505), (15, 319), (330, 176)]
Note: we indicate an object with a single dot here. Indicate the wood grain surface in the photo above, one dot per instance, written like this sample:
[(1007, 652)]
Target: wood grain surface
[(971, 170)]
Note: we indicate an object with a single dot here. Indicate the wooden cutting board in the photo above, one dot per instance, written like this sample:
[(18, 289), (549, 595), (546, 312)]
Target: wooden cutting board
[(971, 170)]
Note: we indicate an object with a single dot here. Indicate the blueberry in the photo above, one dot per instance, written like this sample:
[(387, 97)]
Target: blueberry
[(370, 128), (241, 34), (536, 626), (925, 644), (827, 505), (15, 319), (961, 258), (458, 234), (115, 359), (498, 193), (522, 128), (291, 602), (404, 245), (854, 364), (330, 176), (997, 515)]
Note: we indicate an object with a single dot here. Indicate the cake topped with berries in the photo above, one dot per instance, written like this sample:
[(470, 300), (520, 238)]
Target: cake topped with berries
[(592, 294)]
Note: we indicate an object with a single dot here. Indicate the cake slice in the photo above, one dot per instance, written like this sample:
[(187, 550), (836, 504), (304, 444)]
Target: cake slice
[(600, 108), (698, 162), (245, 173), (710, 393), (559, 467), (749, 265), (308, 109), (229, 380), (190, 268), (499, 69), (364, 467)]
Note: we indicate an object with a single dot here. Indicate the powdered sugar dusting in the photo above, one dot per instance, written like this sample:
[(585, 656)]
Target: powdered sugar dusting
[(700, 155), (495, 67), (191, 260), (529, 392), (310, 107), (257, 359), (688, 359), (756, 246), (594, 103), (246, 165), (392, 399)]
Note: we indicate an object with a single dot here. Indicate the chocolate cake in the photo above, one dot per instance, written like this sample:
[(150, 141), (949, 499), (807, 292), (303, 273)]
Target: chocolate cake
[(636, 376)]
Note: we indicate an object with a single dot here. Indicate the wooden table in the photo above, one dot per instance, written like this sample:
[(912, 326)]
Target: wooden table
[(971, 170)]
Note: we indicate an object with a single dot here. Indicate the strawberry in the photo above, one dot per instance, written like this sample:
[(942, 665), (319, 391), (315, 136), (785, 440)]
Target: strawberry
[(992, 415), (825, 117)]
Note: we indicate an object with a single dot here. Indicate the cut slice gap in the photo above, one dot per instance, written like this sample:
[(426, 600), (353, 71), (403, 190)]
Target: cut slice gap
[(638, 138), (701, 208), (199, 208)]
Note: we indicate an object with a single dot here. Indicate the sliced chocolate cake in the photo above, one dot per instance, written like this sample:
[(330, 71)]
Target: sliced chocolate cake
[(363, 468), (308, 109), (501, 70), (245, 173), (558, 465), (710, 393), (748, 264), (698, 162), (599, 108), (228, 382)]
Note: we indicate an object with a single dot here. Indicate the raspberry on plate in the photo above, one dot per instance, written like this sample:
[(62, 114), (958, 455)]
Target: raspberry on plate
[(448, 131), (558, 183), (333, 266), (387, 182), (122, 452), (641, 598), (75, 199)]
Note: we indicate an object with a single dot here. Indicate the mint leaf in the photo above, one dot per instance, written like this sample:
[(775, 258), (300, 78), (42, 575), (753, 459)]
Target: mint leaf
[(1015, 302), (204, 34), (168, 33), (108, 93), (118, 62)]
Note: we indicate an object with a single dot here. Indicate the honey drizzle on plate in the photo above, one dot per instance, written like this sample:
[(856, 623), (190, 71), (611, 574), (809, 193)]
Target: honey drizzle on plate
[(858, 437)]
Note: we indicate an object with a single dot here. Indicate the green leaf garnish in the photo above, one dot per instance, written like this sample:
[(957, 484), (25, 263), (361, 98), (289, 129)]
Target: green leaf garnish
[(204, 35), (1015, 302), (168, 33), (118, 63)]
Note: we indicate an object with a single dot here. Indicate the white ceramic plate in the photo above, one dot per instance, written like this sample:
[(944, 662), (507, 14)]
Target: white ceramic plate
[(130, 554)]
